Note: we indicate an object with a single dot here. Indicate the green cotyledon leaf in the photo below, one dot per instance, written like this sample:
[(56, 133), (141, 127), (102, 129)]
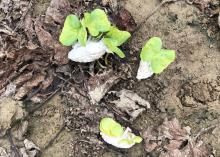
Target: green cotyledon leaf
[(110, 127), (70, 30), (159, 58), (96, 22), (117, 130), (82, 36), (118, 36), (162, 60), (151, 48), (111, 45)]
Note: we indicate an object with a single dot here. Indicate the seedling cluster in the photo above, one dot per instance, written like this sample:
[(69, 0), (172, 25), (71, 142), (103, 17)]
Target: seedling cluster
[(93, 36), (98, 27)]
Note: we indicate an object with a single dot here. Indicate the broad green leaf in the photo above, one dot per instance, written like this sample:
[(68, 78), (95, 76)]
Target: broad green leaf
[(162, 60), (152, 47), (159, 58), (111, 127), (137, 139), (68, 38), (72, 21), (111, 44), (117, 130), (70, 30), (119, 36), (96, 21), (106, 124), (82, 36)]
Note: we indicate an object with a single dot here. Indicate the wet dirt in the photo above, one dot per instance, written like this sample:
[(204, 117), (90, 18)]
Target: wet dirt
[(189, 89)]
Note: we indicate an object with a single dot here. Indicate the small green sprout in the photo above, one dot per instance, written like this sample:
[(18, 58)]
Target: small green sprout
[(115, 38), (158, 58), (113, 133)]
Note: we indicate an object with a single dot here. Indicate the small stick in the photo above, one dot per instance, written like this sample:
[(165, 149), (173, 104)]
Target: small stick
[(152, 13), (44, 102), (205, 130), (55, 137), (13, 147)]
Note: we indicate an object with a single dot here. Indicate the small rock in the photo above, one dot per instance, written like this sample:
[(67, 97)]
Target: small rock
[(10, 111), (19, 131), (3, 152), (31, 149)]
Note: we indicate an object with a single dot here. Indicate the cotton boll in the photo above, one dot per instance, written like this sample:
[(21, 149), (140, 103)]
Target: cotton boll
[(92, 51), (144, 70)]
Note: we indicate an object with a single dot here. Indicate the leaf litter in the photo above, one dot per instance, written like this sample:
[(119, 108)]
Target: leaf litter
[(173, 140)]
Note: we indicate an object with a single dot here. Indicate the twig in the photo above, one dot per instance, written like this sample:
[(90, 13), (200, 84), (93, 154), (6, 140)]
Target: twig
[(68, 81), (54, 138), (205, 130), (85, 83), (13, 147), (152, 13), (44, 102)]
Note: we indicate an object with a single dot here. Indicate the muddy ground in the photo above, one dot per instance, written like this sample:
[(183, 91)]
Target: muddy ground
[(188, 90)]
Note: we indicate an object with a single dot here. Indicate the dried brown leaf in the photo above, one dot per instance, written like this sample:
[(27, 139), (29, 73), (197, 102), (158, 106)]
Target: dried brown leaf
[(30, 32), (124, 20), (100, 84), (57, 11), (180, 143), (192, 149), (150, 140), (45, 38), (61, 53), (130, 103), (28, 86), (173, 130)]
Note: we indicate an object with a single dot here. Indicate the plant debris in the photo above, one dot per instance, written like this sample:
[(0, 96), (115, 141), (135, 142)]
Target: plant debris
[(180, 141), (219, 19), (29, 149), (100, 84), (124, 20), (129, 103)]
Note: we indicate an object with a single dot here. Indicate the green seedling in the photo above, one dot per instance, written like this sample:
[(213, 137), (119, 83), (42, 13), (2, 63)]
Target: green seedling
[(97, 25), (114, 134), (158, 57)]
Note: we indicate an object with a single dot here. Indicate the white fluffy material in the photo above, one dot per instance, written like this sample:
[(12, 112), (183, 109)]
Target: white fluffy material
[(144, 70), (92, 51)]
